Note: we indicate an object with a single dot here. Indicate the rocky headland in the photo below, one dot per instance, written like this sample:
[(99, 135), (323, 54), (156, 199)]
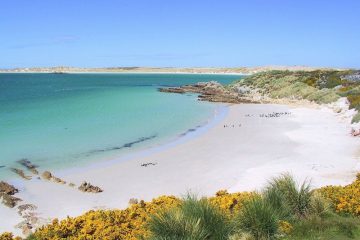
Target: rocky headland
[(210, 91), (338, 90)]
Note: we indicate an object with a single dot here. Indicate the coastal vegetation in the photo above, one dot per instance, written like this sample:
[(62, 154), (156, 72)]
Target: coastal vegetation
[(284, 209), (320, 86)]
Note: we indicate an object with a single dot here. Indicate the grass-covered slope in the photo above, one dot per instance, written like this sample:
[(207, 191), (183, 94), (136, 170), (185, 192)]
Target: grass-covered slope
[(321, 86), (282, 210)]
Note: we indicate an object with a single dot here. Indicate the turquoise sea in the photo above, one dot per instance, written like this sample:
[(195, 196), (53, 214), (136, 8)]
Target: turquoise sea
[(67, 120)]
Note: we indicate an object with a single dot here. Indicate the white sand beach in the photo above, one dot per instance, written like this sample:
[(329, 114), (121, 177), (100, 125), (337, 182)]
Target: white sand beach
[(239, 154)]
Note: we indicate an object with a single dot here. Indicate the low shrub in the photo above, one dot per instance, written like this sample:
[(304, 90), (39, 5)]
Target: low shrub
[(231, 203), (354, 101), (107, 224), (8, 236), (344, 199), (324, 95)]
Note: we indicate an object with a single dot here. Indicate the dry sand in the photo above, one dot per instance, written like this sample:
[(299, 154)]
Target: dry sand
[(309, 143)]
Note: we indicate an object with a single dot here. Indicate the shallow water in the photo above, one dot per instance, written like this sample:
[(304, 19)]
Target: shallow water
[(64, 120)]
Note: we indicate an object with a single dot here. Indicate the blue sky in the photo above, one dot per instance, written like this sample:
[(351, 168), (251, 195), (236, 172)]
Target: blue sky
[(172, 33)]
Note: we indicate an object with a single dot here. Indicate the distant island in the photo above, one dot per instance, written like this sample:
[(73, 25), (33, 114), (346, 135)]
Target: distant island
[(209, 70)]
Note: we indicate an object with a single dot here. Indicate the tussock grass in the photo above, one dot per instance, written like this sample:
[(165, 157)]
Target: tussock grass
[(193, 219), (259, 219), (287, 198)]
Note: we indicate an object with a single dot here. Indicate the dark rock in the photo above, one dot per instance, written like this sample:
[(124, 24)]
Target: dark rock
[(8, 200), (28, 165), (20, 173), (210, 91), (87, 187), (58, 180), (7, 188), (26, 207), (172, 90), (46, 175)]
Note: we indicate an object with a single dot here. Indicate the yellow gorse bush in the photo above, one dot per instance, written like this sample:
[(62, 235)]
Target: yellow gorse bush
[(231, 203), (8, 236), (129, 223), (107, 224), (344, 199)]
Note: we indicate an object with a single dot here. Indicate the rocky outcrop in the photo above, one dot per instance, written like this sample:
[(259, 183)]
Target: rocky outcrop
[(9, 200), (210, 91), (7, 188), (6, 194), (87, 187), (201, 87), (58, 180), (30, 218), (46, 175), (172, 90), (28, 165), (26, 207), (49, 176), (20, 173)]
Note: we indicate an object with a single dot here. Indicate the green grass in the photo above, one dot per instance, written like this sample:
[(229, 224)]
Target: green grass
[(334, 228), (356, 118)]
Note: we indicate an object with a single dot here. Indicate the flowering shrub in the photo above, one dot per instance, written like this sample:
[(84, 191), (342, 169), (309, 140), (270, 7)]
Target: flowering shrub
[(231, 203), (344, 199), (8, 236), (128, 223), (107, 224)]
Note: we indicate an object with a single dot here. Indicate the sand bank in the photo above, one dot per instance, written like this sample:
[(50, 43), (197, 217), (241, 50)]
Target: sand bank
[(239, 153)]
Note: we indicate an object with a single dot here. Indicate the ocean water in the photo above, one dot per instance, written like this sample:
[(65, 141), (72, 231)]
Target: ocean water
[(67, 120)]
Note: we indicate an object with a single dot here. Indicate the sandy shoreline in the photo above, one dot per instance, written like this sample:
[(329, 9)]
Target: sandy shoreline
[(313, 143)]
